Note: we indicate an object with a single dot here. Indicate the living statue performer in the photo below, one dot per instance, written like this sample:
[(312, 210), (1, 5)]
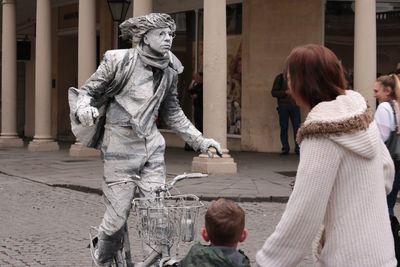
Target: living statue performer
[(116, 110)]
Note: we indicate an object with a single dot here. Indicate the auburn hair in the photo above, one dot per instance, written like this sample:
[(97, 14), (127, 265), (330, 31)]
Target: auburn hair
[(316, 74)]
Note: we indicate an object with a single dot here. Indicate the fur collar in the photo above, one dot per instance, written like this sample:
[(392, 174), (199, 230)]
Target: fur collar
[(347, 114)]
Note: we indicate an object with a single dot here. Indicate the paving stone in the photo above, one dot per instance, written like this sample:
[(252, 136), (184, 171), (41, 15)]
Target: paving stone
[(49, 226)]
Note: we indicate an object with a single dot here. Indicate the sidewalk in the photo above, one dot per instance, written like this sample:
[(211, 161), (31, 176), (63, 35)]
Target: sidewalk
[(260, 177)]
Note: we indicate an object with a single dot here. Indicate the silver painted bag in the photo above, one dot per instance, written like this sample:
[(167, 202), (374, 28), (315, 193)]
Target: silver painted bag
[(91, 136)]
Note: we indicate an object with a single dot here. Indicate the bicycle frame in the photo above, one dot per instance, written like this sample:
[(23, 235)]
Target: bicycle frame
[(163, 220)]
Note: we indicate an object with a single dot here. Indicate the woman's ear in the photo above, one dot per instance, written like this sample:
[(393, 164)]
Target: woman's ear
[(244, 235), (204, 234), (387, 90)]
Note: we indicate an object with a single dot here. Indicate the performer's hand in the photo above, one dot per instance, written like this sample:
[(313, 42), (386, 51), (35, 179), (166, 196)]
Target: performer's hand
[(87, 115), (211, 143)]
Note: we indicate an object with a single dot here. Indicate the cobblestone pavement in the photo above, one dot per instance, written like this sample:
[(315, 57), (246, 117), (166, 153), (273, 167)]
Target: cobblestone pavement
[(260, 177), (48, 226)]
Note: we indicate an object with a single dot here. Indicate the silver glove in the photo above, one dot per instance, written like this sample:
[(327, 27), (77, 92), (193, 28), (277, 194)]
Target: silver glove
[(208, 143), (87, 115)]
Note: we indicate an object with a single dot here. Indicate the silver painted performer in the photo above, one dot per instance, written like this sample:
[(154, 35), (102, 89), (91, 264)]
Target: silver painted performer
[(116, 111)]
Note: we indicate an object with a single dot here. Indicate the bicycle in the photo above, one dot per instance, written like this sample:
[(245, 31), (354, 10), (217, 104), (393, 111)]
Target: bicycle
[(163, 221)]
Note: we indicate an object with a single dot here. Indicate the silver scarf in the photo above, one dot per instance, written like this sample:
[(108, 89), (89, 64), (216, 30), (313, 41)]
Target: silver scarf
[(154, 61)]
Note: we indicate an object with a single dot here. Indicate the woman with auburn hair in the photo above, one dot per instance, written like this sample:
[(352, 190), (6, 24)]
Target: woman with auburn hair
[(387, 92), (344, 174)]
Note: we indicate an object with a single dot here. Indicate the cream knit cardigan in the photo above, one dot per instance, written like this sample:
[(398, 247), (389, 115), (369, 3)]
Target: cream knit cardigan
[(341, 179)]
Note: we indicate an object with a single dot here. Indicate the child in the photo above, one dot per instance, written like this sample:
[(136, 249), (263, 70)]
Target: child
[(224, 229)]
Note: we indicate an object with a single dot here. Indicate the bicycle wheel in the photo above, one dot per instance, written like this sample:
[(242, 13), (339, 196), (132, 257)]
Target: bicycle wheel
[(119, 260), (123, 256)]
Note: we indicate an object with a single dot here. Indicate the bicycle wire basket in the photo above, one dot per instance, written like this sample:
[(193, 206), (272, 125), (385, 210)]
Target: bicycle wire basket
[(167, 220)]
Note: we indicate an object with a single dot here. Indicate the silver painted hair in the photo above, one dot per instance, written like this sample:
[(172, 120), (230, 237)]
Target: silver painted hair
[(134, 28)]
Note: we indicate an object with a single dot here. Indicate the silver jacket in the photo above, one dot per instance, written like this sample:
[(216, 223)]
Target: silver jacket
[(107, 85)]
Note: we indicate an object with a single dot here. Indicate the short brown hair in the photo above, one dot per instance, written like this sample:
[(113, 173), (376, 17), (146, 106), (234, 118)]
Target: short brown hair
[(316, 74), (224, 221)]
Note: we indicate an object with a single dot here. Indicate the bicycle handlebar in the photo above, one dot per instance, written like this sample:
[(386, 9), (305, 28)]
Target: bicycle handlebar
[(167, 186), (187, 175)]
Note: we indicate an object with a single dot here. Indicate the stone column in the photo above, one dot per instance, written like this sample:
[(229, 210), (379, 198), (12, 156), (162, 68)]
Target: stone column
[(214, 84), (142, 7), (42, 140), (8, 136), (86, 59), (365, 49)]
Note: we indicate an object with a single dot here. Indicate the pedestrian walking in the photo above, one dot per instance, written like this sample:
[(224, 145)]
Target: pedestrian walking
[(387, 117), (386, 91)]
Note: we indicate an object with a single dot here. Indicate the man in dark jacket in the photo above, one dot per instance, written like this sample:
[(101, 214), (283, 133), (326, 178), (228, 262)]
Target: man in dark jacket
[(286, 109)]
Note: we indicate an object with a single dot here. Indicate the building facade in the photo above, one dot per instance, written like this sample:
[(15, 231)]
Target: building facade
[(239, 45)]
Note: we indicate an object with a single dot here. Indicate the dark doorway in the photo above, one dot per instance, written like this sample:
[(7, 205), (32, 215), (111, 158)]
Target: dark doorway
[(67, 77)]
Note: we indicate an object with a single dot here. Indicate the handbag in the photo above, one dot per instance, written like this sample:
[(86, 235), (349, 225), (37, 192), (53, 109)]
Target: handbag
[(393, 143)]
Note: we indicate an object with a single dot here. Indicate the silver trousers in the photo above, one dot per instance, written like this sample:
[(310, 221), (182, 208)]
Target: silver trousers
[(130, 163)]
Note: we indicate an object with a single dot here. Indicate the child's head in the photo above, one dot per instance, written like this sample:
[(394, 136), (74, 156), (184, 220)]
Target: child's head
[(224, 223)]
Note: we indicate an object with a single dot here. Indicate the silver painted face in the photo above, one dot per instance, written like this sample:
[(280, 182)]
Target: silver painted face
[(159, 40)]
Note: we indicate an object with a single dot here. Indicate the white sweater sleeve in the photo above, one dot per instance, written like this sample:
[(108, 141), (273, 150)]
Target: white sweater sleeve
[(305, 210), (385, 120)]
